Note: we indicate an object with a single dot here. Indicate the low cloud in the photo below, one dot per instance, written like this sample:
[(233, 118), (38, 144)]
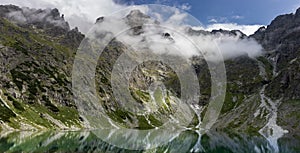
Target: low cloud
[(83, 13), (171, 37), (16, 16), (79, 13), (246, 29), (31, 15), (230, 46)]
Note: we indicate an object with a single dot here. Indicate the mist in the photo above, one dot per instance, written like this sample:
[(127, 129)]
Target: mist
[(79, 13), (29, 15), (180, 42), (83, 13), (211, 46)]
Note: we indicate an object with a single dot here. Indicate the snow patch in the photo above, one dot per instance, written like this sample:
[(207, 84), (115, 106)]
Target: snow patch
[(271, 131)]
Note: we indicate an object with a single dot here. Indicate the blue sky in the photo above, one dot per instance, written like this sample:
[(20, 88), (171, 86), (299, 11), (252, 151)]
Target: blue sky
[(244, 15), (230, 11)]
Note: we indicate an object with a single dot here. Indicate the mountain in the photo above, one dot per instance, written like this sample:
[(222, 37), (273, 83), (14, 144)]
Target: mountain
[(282, 45), (38, 50)]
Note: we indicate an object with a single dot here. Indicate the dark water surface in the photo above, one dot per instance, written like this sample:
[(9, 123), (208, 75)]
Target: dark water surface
[(185, 141)]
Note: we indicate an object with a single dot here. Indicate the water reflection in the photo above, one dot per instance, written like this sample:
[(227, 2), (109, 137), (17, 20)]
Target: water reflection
[(184, 141)]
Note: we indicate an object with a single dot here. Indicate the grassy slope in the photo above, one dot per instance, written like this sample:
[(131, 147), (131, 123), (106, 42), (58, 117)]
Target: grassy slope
[(29, 75)]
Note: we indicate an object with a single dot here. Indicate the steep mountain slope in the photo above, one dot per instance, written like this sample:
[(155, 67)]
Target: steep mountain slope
[(37, 52), (282, 44), (274, 106)]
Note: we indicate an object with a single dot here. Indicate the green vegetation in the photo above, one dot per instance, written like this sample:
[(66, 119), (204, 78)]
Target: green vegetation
[(231, 101), (40, 89), (6, 113), (40, 59), (289, 114), (49, 105), (16, 103), (148, 122), (140, 96), (268, 66)]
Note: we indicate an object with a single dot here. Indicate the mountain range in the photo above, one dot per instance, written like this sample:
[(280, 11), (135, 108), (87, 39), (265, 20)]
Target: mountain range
[(38, 48)]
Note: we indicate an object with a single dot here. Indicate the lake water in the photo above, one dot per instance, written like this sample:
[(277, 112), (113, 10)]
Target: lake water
[(185, 141)]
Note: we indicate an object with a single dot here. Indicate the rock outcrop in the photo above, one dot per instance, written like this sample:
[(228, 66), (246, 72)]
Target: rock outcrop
[(37, 50)]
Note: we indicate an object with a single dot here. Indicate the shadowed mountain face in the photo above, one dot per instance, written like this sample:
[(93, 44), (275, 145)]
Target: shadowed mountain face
[(37, 50), (281, 42)]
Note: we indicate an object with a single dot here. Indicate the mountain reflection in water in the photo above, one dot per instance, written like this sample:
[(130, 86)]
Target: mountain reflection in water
[(184, 141)]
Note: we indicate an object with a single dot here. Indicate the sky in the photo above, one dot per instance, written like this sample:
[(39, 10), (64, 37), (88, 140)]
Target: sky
[(233, 11), (243, 15)]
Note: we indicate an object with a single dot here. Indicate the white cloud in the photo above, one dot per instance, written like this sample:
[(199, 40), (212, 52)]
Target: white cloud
[(185, 7), (212, 21), (33, 15), (217, 19), (213, 47), (246, 29), (81, 13)]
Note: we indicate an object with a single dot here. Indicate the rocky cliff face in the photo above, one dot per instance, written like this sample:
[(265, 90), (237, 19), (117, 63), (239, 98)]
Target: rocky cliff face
[(281, 42), (38, 48), (282, 45)]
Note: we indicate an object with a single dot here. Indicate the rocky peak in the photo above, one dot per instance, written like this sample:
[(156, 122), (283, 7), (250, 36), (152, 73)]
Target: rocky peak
[(73, 38), (286, 21), (47, 19), (55, 14), (297, 14), (192, 32), (281, 28), (8, 8), (261, 29), (137, 19), (281, 21), (229, 32), (137, 14), (100, 19)]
